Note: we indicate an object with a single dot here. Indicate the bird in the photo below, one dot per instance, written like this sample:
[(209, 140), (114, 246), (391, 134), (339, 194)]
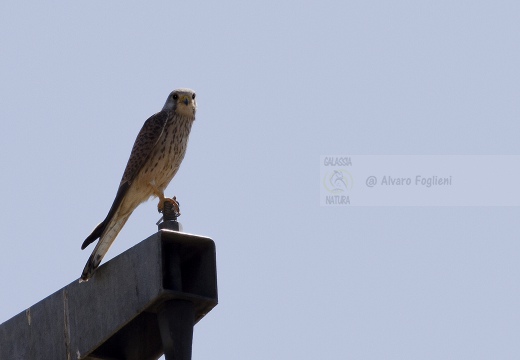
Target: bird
[(155, 158)]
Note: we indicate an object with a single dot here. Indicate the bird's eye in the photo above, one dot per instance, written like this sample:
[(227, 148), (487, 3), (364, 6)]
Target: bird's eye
[(175, 96), (193, 96)]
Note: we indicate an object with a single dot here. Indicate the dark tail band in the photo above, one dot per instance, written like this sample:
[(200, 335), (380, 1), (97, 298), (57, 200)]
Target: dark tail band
[(95, 235), (90, 267)]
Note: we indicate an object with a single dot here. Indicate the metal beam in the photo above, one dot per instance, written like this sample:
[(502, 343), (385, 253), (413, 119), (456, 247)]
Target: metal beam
[(127, 310)]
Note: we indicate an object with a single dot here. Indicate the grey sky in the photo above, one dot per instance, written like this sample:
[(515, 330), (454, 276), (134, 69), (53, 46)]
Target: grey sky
[(278, 84)]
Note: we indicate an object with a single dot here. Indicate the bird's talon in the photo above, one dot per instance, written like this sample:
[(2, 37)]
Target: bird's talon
[(173, 202)]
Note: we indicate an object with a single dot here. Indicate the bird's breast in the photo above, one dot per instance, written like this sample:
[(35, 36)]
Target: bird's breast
[(169, 151)]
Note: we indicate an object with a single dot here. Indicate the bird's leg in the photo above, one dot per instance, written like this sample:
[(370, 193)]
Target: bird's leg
[(162, 200), (160, 195)]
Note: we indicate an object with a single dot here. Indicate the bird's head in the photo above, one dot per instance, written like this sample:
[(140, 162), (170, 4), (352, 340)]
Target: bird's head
[(182, 101)]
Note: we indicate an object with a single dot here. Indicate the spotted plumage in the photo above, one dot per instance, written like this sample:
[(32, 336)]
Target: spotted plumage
[(155, 158)]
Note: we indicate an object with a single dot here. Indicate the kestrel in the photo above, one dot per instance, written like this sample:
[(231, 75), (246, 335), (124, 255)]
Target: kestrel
[(155, 158)]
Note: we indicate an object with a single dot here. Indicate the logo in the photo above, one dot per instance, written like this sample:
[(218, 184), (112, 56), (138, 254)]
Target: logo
[(338, 181)]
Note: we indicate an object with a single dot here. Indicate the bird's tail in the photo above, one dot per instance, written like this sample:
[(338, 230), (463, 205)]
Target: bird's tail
[(106, 238)]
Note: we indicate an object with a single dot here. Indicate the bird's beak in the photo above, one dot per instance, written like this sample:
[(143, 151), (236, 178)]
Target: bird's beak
[(185, 99)]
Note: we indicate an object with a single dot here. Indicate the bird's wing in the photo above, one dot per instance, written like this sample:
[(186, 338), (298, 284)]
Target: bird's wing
[(141, 151), (144, 144)]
